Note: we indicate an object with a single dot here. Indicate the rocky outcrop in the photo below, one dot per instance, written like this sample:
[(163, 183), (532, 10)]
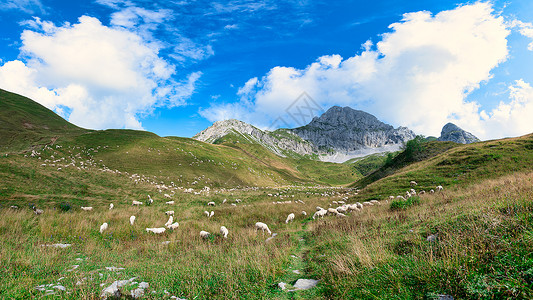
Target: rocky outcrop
[(280, 141), (453, 133), (345, 130)]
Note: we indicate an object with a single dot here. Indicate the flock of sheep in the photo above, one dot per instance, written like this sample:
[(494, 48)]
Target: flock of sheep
[(339, 211)]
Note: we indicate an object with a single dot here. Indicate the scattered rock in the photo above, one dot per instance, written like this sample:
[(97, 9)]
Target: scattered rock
[(114, 268), (59, 287), (59, 245), (114, 289), (74, 267), (296, 271), (305, 284), (445, 297), (137, 293), (432, 237), (144, 285), (282, 285)]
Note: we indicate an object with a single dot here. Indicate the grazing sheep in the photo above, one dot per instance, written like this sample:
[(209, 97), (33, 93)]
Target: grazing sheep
[(224, 231), (263, 227), (224, 201), (431, 191), (290, 218), (88, 208), (211, 214), (136, 202), (14, 207), (413, 183), (368, 203), (320, 213), (132, 220), (150, 200), (206, 213), (103, 227), (319, 208), (391, 197), (111, 206), (204, 234), (375, 202), (341, 209), (170, 202), (174, 225), (169, 213), (304, 213), (439, 188), (400, 197), (211, 203), (341, 215), (332, 211), (359, 205), (37, 211), (422, 192), (170, 221), (156, 230)]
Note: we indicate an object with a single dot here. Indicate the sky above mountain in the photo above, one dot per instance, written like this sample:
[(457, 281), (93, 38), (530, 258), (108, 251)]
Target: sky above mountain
[(174, 67)]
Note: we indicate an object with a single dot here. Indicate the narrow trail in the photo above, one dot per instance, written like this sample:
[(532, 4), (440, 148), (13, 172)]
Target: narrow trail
[(297, 269)]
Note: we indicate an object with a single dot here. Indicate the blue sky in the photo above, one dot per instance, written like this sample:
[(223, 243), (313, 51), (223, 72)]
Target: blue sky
[(174, 67)]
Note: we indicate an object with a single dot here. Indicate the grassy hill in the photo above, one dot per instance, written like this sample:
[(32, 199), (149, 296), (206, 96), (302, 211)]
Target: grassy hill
[(473, 240), (24, 122)]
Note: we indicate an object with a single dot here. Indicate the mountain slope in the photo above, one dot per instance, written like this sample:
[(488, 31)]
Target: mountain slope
[(53, 142), (24, 122), (457, 165)]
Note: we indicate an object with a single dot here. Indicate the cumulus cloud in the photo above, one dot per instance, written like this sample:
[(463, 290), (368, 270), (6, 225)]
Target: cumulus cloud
[(97, 76), (418, 75), (525, 29)]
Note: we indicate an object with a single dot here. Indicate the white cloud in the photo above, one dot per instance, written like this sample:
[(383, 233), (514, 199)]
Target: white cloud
[(513, 118), (106, 76), (27, 6), (232, 26), (525, 29), (418, 75)]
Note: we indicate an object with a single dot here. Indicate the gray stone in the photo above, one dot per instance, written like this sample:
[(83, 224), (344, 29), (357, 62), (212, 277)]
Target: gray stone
[(114, 289), (144, 285), (432, 237), (296, 272), (59, 287), (453, 133), (137, 293), (282, 285), (305, 284)]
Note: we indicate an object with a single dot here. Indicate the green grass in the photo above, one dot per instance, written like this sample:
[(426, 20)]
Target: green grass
[(483, 218)]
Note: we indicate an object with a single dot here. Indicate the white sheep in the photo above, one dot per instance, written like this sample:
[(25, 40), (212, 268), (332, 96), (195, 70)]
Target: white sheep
[(304, 213), (169, 213), (318, 208), (103, 227), (368, 203), (439, 188), (422, 192), (156, 230), (431, 191), (375, 202), (111, 206), (170, 202), (290, 218), (206, 213), (224, 231), (136, 202), (413, 183), (320, 213), (174, 226), (87, 208), (263, 227), (204, 234), (211, 203), (341, 209), (170, 221), (132, 220), (224, 201), (211, 214)]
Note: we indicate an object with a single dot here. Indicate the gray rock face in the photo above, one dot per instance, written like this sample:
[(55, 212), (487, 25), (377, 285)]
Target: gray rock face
[(305, 284), (341, 133), (451, 132), (275, 142), (346, 130)]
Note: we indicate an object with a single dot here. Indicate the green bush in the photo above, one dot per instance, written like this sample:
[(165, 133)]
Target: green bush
[(403, 204), (64, 206)]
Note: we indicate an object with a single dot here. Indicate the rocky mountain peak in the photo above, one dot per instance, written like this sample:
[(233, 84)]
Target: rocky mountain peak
[(341, 117), (453, 133)]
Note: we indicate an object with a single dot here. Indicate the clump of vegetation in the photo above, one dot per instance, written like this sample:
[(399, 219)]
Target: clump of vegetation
[(398, 204), (64, 206)]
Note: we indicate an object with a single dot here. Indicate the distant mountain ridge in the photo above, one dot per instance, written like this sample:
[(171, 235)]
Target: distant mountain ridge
[(341, 133)]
